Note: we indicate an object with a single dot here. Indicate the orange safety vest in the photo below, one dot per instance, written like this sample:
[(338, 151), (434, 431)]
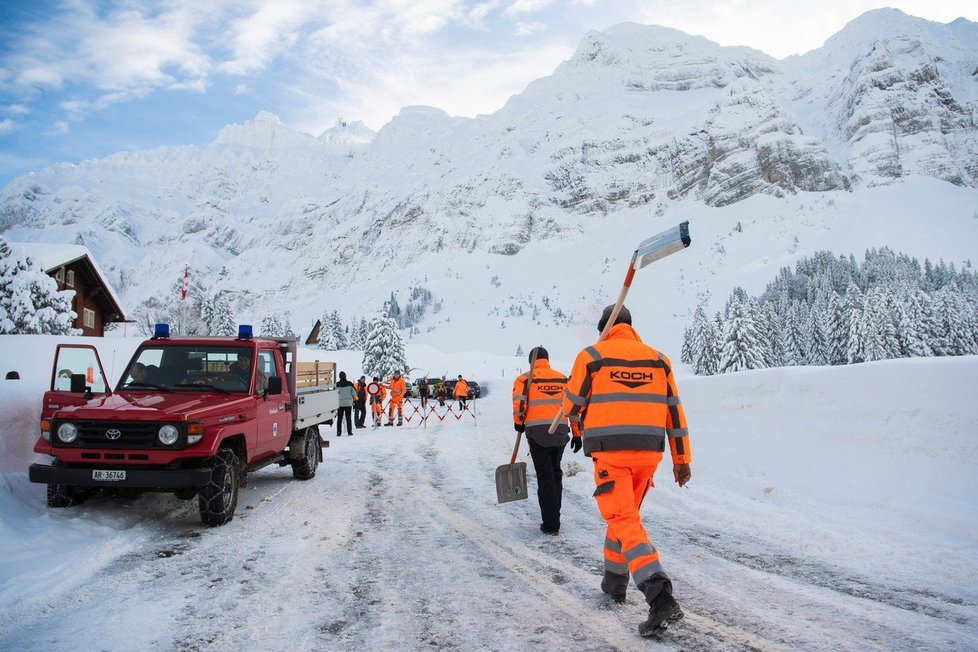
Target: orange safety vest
[(461, 389), (538, 405), (398, 388), (626, 396)]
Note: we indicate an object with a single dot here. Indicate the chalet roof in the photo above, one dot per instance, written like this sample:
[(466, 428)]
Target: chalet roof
[(50, 257)]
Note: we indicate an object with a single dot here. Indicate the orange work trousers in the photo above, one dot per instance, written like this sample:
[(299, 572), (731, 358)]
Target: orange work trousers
[(377, 407), (622, 478), (399, 403)]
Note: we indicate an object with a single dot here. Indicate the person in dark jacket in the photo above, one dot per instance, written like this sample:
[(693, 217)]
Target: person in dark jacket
[(346, 393), (360, 402), (424, 392)]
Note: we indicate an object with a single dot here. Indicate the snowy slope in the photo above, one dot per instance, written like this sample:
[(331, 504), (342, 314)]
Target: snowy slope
[(642, 128), (830, 508)]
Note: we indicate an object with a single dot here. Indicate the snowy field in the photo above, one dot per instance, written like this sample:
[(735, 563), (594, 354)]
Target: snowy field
[(830, 509)]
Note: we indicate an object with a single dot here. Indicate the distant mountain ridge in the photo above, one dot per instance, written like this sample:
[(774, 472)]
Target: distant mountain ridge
[(637, 119)]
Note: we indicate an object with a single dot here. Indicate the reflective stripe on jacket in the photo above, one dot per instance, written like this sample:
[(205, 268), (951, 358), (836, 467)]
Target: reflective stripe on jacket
[(626, 396)]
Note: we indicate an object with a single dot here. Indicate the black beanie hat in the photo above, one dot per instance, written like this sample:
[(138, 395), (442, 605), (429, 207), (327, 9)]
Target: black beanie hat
[(624, 317), (342, 375), (541, 354)]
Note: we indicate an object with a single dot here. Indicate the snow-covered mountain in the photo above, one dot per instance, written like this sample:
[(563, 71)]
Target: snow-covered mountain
[(870, 140)]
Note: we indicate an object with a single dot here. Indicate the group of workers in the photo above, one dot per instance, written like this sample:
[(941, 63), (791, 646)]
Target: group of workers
[(620, 405), (354, 397)]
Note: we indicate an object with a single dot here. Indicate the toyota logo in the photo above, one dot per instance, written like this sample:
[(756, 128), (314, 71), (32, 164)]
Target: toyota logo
[(113, 433)]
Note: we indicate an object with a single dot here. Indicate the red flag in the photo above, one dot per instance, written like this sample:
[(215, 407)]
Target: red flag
[(186, 282)]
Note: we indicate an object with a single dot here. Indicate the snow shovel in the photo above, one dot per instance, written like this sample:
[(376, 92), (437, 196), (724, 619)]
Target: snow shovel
[(511, 478), (648, 251)]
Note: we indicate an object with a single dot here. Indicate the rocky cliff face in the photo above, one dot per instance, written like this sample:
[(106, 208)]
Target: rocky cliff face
[(639, 117)]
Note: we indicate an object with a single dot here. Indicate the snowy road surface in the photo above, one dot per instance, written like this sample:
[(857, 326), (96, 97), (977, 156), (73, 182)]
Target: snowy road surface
[(797, 533)]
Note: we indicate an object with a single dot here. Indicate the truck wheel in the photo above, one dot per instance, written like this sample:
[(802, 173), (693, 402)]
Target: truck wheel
[(61, 495), (304, 468), (219, 498)]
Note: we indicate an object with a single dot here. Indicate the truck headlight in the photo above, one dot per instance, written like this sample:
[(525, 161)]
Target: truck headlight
[(67, 432), (168, 435)]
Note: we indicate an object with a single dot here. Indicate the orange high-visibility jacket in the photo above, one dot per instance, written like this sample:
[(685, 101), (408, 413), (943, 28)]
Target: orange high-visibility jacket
[(626, 396), (398, 388), (461, 389), (538, 405)]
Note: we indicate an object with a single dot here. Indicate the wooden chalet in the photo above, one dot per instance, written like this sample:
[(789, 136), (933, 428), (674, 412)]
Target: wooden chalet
[(74, 268)]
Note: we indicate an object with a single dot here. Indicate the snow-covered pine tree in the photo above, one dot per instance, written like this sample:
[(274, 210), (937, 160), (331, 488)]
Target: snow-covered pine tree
[(384, 350), (519, 350), (339, 333), (818, 341), (271, 326), (327, 333), (392, 310), (871, 326), (743, 347), (795, 341), (222, 320), (30, 303), (837, 331), (358, 335), (953, 322), (705, 344), (287, 325), (853, 310)]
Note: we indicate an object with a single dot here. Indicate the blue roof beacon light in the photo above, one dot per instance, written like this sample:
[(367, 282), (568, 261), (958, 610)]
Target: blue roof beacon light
[(244, 332), (161, 331)]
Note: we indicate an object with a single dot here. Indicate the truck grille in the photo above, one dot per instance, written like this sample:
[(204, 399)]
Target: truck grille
[(102, 434)]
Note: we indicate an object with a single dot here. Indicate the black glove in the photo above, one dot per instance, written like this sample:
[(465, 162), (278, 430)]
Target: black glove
[(576, 444), (519, 427)]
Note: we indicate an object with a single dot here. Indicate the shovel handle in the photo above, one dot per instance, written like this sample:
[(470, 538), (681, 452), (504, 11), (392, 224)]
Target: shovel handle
[(604, 332), (516, 449)]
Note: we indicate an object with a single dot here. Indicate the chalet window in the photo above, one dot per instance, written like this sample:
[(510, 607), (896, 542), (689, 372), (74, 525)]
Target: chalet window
[(70, 278), (59, 276), (88, 317)]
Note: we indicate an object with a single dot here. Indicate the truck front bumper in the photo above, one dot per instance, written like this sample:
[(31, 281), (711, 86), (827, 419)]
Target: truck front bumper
[(137, 478)]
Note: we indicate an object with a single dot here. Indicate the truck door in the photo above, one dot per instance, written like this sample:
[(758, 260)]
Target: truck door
[(274, 419), (78, 362)]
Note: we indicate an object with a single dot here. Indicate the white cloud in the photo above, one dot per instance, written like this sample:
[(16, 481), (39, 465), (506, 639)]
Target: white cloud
[(260, 36), (528, 29), (59, 128), (18, 109), (526, 7), (7, 125)]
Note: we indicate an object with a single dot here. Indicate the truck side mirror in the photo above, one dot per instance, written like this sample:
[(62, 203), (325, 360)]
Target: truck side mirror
[(78, 384), (275, 385)]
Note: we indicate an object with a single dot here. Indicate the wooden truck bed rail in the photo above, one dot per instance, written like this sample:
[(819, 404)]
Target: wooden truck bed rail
[(314, 374)]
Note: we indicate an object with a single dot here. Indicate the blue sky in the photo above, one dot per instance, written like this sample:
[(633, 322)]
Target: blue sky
[(83, 79)]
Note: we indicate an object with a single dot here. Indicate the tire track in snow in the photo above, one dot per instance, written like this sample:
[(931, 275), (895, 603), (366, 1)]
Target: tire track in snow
[(711, 632)]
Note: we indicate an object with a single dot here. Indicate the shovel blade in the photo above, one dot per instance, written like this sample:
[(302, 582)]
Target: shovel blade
[(511, 482)]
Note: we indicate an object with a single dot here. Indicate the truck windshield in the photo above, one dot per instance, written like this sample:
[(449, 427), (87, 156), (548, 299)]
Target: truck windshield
[(189, 368)]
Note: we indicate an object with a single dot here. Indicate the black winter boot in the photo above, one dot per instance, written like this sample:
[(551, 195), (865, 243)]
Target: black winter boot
[(615, 585), (663, 611)]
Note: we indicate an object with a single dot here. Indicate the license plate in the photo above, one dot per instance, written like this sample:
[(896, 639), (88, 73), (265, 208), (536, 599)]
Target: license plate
[(108, 475)]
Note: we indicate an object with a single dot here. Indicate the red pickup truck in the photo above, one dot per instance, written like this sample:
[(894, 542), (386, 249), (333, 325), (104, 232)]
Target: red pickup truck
[(190, 415)]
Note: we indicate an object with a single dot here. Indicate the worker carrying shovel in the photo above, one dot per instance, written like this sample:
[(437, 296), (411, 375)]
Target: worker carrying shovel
[(536, 401), (624, 392)]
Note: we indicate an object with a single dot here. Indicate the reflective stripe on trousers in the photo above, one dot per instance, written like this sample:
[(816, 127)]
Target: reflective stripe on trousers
[(619, 492)]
